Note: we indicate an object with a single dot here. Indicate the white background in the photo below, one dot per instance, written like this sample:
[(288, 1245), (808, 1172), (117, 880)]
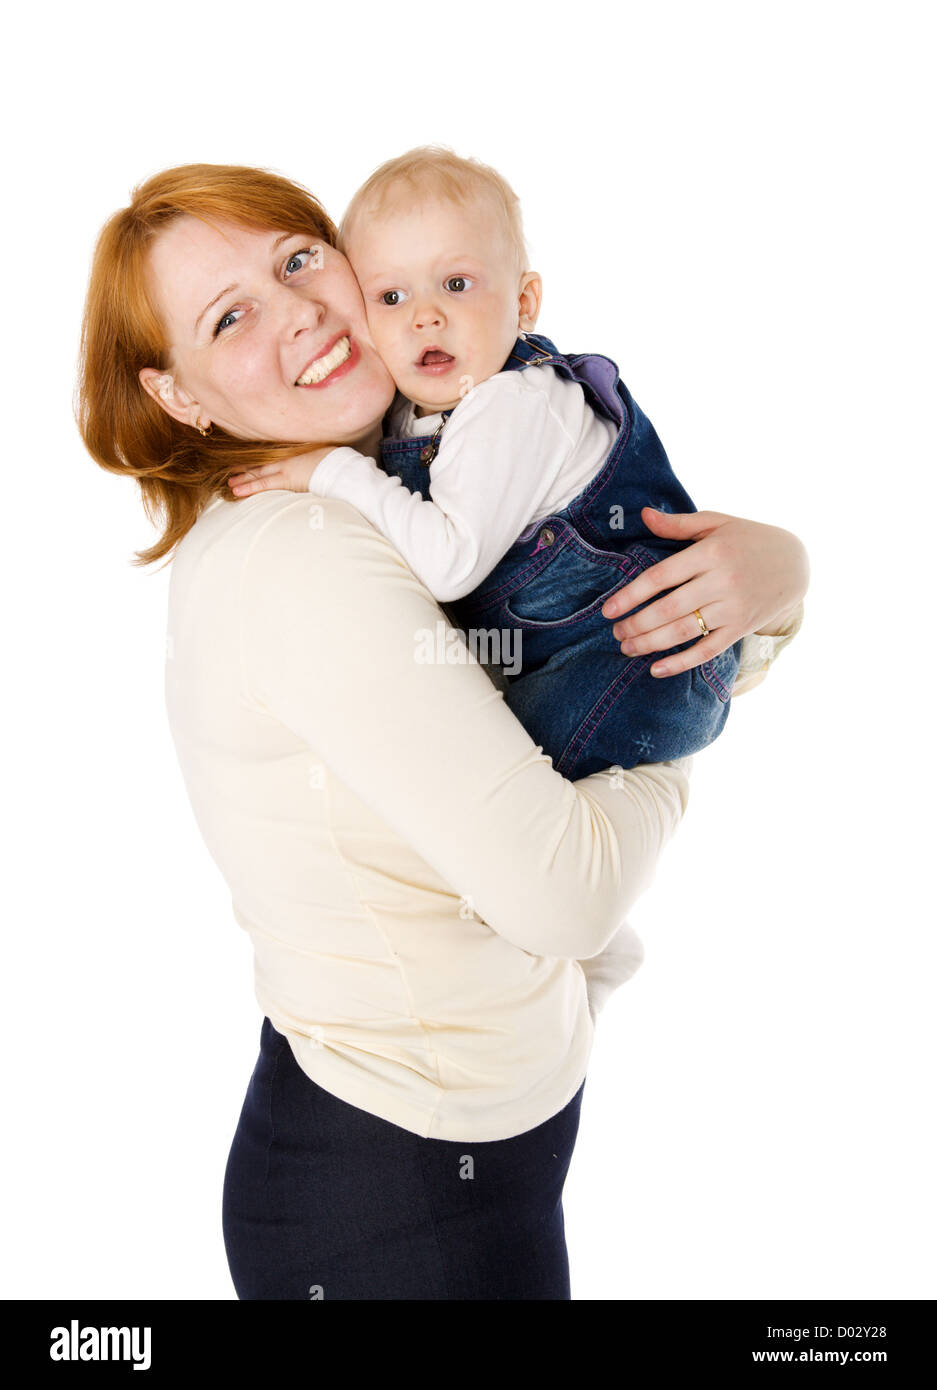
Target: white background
[(735, 202)]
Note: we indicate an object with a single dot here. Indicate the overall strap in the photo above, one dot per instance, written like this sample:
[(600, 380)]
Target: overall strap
[(532, 350), (536, 350), (597, 375)]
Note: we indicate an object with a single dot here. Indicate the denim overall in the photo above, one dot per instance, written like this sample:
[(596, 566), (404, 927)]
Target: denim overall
[(587, 704)]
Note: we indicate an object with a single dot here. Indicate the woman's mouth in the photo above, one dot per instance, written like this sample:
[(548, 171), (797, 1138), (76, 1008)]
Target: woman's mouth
[(432, 361), (336, 361)]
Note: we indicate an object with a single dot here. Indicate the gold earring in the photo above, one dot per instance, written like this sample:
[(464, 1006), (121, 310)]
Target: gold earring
[(201, 428)]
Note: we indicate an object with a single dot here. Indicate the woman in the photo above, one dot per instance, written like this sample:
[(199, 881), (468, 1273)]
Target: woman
[(419, 884)]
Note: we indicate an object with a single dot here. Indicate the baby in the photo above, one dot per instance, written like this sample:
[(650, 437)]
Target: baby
[(511, 476)]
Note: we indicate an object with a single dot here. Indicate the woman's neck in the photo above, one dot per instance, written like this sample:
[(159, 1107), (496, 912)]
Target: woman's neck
[(369, 443)]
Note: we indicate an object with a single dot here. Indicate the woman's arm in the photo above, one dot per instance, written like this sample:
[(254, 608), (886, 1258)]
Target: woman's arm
[(622, 956), (334, 629)]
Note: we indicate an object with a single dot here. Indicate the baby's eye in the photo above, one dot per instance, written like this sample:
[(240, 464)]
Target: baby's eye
[(226, 320), (296, 261), (393, 297), (457, 283)]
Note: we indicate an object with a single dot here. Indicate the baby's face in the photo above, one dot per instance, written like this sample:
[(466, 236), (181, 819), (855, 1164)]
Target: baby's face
[(441, 289)]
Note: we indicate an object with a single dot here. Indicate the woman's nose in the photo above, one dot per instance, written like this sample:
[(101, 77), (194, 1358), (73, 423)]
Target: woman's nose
[(301, 312)]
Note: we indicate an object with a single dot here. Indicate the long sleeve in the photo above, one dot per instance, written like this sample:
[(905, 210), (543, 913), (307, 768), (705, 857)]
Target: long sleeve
[(500, 455), (624, 953), (760, 649), (332, 621)]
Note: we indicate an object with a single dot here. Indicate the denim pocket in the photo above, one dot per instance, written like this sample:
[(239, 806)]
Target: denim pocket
[(720, 671), (574, 584)]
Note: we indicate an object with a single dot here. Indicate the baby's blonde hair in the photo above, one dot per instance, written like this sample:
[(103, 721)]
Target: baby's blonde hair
[(438, 170)]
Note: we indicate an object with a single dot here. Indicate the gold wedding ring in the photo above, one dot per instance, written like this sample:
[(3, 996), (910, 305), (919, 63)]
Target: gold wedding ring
[(702, 626)]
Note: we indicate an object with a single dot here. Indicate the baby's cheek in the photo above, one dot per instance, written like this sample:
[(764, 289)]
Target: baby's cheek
[(388, 345), (492, 335), (487, 358)]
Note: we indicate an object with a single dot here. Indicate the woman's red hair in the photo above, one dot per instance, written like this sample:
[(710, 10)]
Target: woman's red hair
[(123, 428)]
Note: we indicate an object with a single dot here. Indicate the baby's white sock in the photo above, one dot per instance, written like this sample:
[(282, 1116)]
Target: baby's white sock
[(620, 959)]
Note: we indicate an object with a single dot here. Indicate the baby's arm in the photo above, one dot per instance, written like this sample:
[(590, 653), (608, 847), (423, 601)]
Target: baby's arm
[(288, 475), (499, 453)]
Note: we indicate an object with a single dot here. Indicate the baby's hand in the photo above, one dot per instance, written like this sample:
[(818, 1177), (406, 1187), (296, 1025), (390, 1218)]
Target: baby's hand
[(292, 475)]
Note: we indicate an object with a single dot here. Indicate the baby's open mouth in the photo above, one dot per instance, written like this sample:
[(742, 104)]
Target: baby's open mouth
[(434, 357)]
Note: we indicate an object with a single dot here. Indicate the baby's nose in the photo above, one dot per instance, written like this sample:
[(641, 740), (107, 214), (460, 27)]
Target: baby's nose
[(427, 316)]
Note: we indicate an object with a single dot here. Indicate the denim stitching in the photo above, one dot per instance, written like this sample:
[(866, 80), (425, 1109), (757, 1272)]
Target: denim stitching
[(628, 572), (708, 673), (608, 699), (628, 564)]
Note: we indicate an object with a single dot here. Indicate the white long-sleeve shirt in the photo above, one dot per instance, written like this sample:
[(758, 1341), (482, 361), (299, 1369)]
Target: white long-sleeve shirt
[(519, 447), (417, 880)]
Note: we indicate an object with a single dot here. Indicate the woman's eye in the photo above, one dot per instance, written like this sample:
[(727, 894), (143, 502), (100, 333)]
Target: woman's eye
[(226, 320), (296, 261), (457, 283), (393, 297)]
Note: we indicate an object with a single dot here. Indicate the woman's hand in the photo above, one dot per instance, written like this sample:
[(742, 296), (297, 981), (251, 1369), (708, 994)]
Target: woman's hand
[(742, 576), (292, 475)]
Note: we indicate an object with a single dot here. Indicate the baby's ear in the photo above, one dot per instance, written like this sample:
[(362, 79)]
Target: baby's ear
[(528, 300)]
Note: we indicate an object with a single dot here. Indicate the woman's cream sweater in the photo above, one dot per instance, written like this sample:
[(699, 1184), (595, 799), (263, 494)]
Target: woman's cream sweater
[(417, 881)]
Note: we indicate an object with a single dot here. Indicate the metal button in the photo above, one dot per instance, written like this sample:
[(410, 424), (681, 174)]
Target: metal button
[(547, 537)]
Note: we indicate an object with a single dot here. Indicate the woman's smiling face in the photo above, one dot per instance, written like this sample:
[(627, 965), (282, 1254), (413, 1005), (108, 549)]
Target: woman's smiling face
[(249, 315)]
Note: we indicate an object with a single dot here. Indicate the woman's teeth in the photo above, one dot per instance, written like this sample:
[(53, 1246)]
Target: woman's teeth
[(319, 369)]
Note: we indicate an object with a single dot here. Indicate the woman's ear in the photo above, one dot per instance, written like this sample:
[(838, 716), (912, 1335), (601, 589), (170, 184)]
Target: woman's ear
[(528, 300), (171, 397)]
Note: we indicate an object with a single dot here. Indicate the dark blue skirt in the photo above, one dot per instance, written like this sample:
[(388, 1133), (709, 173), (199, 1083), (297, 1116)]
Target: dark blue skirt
[(325, 1200)]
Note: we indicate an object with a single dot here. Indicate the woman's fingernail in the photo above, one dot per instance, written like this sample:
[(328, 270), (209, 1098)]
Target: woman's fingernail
[(659, 669)]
